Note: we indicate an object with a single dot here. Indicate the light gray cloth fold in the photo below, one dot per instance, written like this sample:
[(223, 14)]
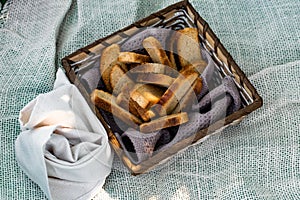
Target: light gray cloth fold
[(142, 144), (207, 75), (227, 87), (63, 147), (215, 105)]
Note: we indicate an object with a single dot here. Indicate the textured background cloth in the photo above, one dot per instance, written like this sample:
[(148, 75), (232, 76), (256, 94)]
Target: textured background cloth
[(256, 159)]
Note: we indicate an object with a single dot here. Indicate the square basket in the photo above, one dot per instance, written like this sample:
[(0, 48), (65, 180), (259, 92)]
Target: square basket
[(176, 16)]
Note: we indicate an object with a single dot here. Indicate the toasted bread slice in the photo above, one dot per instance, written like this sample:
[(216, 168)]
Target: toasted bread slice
[(188, 47), (145, 114), (106, 101), (131, 57), (164, 122), (172, 51), (129, 90), (155, 79), (142, 96), (134, 107), (118, 78), (139, 99), (176, 91), (190, 97), (127, 104), (151, 92), (156, 51), (133, 65), (123, 66), (108, 60), (155, 68), (199, 66), (116, 74)]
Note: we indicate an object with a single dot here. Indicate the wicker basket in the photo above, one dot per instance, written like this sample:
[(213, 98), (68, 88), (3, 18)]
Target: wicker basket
[(176, 16)]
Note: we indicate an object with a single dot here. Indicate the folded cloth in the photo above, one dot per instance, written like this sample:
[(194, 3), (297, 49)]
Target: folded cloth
[(227, 88), (215, 105), (63, 147), (207, 75), (143, 144)]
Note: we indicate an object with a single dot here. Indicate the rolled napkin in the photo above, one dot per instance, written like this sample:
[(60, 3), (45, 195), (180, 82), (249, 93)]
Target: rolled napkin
[(63, 147)]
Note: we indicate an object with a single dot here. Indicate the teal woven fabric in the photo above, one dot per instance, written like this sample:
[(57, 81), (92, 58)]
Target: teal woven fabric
[(256, 159)]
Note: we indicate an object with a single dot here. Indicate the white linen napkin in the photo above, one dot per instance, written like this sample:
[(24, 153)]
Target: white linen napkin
[(62, 145)]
